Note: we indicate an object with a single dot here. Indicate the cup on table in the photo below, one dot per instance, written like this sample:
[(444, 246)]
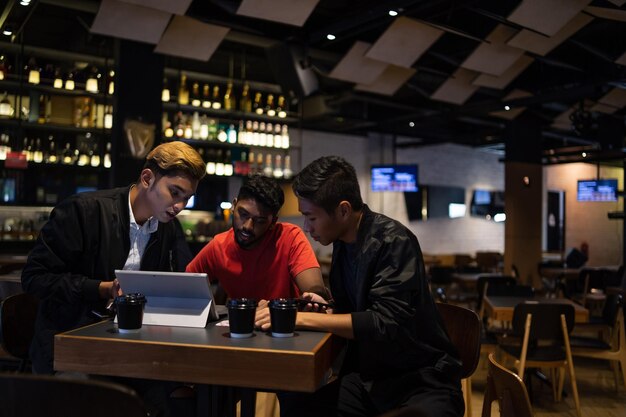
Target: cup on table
[(283, 313), (129, 309), (241, 313)]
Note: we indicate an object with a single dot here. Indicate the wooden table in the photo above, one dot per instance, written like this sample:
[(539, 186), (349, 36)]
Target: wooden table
[(501, 308), (469, 280), (204, 356)]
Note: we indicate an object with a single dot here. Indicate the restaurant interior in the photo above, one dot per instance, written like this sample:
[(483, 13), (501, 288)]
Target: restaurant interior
[(493, 130)]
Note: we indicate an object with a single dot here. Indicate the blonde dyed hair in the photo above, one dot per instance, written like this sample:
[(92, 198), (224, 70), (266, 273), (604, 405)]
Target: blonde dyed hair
[(170, 157)]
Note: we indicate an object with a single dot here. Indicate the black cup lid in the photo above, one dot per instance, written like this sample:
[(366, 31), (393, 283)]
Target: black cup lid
[(241, 303), (132, 298), (284, 303)]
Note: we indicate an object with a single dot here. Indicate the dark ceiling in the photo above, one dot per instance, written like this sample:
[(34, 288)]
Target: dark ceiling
[(572, 77)]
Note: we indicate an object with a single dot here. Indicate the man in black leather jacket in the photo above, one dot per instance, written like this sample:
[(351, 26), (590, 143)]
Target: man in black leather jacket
[(398, 352), (89, 235)]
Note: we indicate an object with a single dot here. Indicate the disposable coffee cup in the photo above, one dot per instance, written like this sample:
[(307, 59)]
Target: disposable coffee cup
[(241, 313), (130, 312), (283, 313)]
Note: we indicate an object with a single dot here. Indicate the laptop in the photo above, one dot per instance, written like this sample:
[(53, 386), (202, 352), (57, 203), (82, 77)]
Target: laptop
[(173, 298)]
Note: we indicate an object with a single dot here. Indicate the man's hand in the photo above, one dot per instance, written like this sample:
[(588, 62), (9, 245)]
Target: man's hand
[(316, 303), (262, 318), (109, 289)]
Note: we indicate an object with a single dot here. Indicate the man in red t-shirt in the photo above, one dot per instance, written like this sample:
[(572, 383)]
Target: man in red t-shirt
[(258, 257)]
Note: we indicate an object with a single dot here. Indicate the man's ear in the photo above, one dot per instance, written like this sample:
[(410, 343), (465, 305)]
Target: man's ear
[(147, 177), (345, 209)]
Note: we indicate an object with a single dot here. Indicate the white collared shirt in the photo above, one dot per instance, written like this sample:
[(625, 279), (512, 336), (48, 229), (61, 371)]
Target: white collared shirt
[(139, 237)]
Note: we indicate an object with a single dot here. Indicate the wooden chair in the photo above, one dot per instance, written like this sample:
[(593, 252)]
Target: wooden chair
[(49, 396), (614, 350), (545, 330), (17, 326), (463, 328), (508, 389)]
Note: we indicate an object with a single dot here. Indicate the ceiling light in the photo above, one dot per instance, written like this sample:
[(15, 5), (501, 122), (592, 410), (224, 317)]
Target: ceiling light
[(7, 31), (330, 37), (507, 108), (25, 2), (393, 13), (412, 124), (584, 154)]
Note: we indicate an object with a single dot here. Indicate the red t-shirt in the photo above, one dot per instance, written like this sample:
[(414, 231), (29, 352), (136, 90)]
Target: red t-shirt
[(264, 272)]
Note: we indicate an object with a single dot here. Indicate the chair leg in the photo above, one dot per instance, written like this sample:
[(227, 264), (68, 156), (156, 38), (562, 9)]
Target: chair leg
[(466, 384), (555, 382), (570, 364), (559, 389), (615, 369)]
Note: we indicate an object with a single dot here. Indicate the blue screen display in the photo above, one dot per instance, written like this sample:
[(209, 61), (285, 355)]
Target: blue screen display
[(597, 190), (394, 178)]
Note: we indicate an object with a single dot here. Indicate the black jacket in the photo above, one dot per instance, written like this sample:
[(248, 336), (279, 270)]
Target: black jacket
[(85, 240), (399, 339)]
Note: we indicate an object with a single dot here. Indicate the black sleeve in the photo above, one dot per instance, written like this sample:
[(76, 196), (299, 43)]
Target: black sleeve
[(48, 273)]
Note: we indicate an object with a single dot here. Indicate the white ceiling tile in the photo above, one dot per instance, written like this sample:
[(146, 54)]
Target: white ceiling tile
[(404, 41), (486, 80), (458, 88), (494, 57), (356, 67), (291, 12), (174, 7), (190, 38), (129, 21), (546, 16), (389, 81)]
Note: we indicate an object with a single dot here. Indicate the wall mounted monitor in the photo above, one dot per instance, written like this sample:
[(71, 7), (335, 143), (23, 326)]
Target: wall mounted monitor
[(435, 201), (394, 178), (597, 190), (488, 203)]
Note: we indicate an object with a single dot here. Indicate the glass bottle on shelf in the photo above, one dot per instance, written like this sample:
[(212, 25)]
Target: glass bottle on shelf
[(257, 106), (251, 164), (245, 104), (219, 163), (262, 134), (107, 156), (278, 138), (259, 163), (83, 156), (179, 127), (195, 95), (204, 127), (27, 150), (269, 135), (111, 83), (287, 172), (269, 106), (108, 117), (95, 155), (183, 91), (58, 78), (206, 97), (285, 136), (229, 98), (195, 125), (231, 134), (6, 109), (216, 103), (268, 171), (278, 167), (222, 136), (228, 163), (188, 131), (68, 155), (210, 162), (33, 71), (212, 129), (255, 134), (165, 93), (52, 157), (281, 110), (38, 152), (5, 147), (241, 132)]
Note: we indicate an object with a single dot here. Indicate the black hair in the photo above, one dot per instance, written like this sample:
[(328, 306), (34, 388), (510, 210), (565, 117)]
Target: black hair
[(327, 181), (264, 190)]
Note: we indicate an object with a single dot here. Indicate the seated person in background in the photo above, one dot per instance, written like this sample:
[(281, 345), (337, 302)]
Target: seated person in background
[(259, 257), (398, 353), (89, 235)]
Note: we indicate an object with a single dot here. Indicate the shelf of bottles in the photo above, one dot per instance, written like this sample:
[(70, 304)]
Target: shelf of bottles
[(53, 115), (236, 137)]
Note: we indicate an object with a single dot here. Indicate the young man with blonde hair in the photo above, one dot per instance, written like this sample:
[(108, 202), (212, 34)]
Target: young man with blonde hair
[(89, 235)]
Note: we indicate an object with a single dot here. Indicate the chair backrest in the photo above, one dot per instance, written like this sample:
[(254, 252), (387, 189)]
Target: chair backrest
[(463, 328), (50, 396), (546, 319), (490, 283), (17, 324), (508, 389)]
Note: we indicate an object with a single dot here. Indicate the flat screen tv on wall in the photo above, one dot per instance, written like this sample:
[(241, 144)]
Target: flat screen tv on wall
[(394, 178), (597, 190)]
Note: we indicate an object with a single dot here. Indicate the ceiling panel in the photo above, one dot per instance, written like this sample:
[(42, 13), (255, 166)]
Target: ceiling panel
[(174, 7), (189, 38), (486, 80), (129, 21), (458, 88), (291, 12), (546, 16), (356, 67), (494, 57), (389, 81)]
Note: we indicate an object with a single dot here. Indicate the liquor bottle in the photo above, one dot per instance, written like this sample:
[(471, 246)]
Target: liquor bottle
[(219, 163), (231, 133), (68, 155), (285, 135), (241, 132), (107, 156), (269, 106), (287, 172), (254, 136), (195, 95), (91, 85), (4, 146), (259, 163), (278, 169), (221, 134), (206, 97), (168, 130), (52, 157), (6, 109), (268, 171), (111, 83), (58, 78), (179, 127), (33, 71), (245, 104), (204, 127), (262, 134), (251, 164), (165, 93), (228, 164), (229, 98), (83, 157), (210, 165), (38, 153), (95, 156), (195, 125), (269, 135), (183, 91), (188, 132), (216, 104), (241, 166), (27, 150), (108, 117), (212, 129), (278, 138), (257, 107), (281, 110)]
